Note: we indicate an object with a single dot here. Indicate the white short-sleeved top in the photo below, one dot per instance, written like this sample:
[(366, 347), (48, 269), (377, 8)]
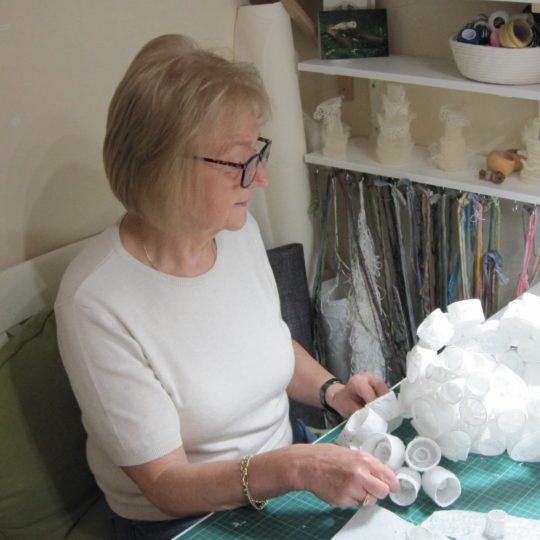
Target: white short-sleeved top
[(157, 361)]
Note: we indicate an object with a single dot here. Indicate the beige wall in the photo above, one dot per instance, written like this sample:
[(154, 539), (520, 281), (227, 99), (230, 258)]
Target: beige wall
[(60, 61)]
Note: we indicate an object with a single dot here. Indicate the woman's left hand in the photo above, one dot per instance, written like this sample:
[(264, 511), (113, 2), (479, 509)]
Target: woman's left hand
[(359, 390)]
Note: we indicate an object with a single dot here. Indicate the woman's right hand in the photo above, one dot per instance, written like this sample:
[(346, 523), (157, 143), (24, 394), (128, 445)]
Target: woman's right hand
[(344, 477)]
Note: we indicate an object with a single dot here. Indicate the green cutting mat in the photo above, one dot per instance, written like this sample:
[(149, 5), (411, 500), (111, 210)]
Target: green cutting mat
[(487, 483)]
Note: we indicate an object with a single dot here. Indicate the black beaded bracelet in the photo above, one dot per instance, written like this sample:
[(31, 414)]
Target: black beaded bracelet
[(322, 394)]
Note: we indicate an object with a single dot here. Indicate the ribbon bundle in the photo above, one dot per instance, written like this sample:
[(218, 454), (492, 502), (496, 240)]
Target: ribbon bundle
[(405, 249)]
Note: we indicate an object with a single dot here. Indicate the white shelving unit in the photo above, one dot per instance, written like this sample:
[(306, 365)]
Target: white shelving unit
[(435, 73)]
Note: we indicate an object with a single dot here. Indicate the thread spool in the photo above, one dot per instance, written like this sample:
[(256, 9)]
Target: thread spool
[(497, 19), (516, 34)]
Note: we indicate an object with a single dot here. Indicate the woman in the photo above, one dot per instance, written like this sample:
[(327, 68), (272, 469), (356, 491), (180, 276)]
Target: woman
[(169, 323)]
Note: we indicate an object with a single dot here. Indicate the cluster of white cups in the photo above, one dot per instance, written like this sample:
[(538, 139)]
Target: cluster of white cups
[(416, 465), (474, 385)]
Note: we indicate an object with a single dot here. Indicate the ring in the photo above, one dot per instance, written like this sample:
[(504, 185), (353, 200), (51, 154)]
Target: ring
[(368, 499)]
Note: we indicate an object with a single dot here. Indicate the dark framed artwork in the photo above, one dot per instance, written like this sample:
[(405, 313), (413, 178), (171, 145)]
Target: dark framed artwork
[(353, 33)]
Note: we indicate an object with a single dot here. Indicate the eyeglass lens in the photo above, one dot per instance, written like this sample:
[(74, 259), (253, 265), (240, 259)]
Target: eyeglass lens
[(250, 170)]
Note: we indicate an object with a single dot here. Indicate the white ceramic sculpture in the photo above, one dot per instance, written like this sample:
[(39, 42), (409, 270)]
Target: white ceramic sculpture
[(452, 151), (394, 140), (531, 166), (334, 133)]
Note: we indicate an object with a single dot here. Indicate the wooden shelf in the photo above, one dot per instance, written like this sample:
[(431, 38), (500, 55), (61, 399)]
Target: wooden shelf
[(431, 72), (361, 157)]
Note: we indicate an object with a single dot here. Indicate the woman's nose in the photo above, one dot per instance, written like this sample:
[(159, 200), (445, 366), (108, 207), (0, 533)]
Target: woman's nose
[(261, 178)]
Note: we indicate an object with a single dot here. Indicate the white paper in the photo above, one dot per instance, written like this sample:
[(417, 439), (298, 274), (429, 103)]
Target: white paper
[(374, 522), (466, 525)]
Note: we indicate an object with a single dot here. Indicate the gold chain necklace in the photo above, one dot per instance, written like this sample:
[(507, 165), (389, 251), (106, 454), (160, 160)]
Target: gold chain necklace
[(152, 265), (148, 257)]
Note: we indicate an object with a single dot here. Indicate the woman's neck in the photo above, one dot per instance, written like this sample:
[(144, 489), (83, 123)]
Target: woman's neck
[(182, 254)]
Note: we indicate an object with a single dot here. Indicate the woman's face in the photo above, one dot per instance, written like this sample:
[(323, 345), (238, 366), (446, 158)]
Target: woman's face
[(225, 202)]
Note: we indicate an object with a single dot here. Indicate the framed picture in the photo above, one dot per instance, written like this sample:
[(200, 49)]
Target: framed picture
[(353, 33)]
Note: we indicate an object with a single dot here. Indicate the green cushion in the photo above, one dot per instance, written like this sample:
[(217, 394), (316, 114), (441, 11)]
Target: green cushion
[(46, 486)]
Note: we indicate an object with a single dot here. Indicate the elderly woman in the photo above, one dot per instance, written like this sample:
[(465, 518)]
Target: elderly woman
[(169, 322)]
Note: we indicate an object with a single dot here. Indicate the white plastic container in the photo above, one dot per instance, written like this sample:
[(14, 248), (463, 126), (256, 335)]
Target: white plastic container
[(422, 454), (410, 483), (442, 486)]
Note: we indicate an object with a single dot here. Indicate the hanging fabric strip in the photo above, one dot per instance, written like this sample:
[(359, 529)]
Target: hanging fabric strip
[(403, 274), (463, 252), (477, 221), (410, 194), (443, 250), (394, 365), (366, 332), (426, 288), (326, 205), (492, 261), (523, 278)]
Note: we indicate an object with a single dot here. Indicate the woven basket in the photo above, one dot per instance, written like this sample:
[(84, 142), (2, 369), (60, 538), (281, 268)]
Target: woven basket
[(497, 65)]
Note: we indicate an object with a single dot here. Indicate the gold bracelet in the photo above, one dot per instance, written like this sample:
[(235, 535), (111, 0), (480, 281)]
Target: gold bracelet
[(244, 464)]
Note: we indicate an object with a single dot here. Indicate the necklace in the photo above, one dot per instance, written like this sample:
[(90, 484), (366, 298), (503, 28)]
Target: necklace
[(148, 257), (152, 265)]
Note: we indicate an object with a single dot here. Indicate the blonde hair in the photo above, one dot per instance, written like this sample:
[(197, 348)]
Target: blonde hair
[(161, 113)]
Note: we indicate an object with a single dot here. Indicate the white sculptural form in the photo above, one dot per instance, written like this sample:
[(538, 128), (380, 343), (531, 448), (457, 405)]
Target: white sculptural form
[(452, 152), (334, 133), (394, 141), (531, 165)]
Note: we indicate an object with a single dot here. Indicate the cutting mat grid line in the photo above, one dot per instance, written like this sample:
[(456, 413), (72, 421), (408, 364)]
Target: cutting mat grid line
[(487, 483)]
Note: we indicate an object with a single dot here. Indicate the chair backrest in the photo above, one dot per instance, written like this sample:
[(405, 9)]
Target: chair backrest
[(289, 269)]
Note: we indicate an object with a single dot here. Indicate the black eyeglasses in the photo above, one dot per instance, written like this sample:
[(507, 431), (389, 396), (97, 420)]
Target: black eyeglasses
[(249, 168)]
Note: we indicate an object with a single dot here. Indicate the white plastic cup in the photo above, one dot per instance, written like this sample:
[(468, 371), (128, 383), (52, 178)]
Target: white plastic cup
[(512, 415), (512, 359), (435, 330), (442, 486), (478, 383), (532, 401), (493, 338), (387, 448), (417, 360), (466, 312), (432, 417), (526, 447), (490, 442), (410, 483), (422, 454), (495, 524), (531, 373), (360, 426), (438, 373), (387, 406), (473, 411), (527, 350), (453, 358), (453, 391), (455, 445)]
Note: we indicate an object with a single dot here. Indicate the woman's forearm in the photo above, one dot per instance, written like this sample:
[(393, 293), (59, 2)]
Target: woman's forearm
[(308, 378), (183, 489), (337, 475)]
